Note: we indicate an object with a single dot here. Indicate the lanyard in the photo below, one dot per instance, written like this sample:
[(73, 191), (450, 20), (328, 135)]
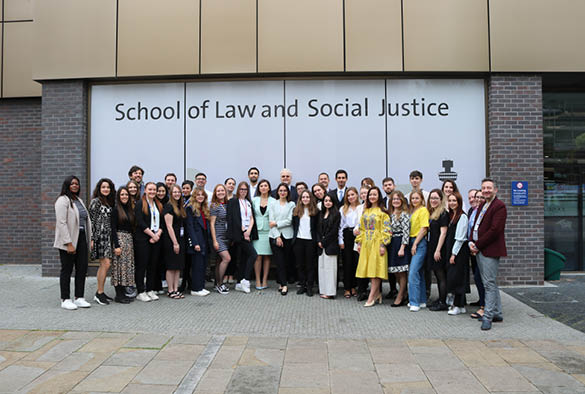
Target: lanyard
[(243, 203)]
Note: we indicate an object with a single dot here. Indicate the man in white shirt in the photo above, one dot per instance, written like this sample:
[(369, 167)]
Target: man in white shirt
[(253, 175), (416, 178), (201, 181)]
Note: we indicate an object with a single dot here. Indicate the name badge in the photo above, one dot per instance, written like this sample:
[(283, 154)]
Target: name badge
[(182, 232)]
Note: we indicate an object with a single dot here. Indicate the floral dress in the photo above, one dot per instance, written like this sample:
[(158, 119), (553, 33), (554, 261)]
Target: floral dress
[(374, 232), (101, 231)]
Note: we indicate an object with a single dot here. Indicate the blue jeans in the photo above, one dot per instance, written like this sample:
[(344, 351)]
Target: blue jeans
[(417, 292)]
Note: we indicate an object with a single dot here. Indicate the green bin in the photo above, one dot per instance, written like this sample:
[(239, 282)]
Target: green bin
[(553, 264)]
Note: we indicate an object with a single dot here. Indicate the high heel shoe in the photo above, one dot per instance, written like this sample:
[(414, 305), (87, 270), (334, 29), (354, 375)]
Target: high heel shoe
[(377, 299)]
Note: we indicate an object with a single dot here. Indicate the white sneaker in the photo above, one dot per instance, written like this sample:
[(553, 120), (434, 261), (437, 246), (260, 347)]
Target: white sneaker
[(205, 291), (454, 311), (81, 303), (68, 304), (462, 310), (423, 305), (143, 297), (245, 285), (200, 293), (152, 295), (414, 308)]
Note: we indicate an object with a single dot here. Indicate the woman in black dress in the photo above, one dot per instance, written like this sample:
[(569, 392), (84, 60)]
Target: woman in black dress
[(173, 240), (458, 250), (100, 211), (197, 232), (123, 223), (436, 252)]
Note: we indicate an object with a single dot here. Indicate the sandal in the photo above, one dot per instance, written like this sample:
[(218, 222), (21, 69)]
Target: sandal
[(179, 295), (477, 314), (170, 294), (347, 294), (354, 293)]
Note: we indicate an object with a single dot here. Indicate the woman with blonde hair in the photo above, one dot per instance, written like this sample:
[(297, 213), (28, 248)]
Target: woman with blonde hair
[(305, 221), (419, 225), (398, 260), (173, 240), (218, 227), (436, 259), (197, 229)]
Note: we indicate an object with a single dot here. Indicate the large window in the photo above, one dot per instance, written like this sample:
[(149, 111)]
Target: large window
[(564, 175)]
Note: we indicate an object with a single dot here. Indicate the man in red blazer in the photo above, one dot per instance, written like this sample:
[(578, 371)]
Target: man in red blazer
[(488, 244)]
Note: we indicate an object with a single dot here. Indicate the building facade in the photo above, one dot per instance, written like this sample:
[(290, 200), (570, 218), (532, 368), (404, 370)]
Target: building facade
[(508, 74)]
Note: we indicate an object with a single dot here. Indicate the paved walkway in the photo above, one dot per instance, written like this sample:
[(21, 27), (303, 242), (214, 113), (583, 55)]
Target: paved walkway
[(265, 343)]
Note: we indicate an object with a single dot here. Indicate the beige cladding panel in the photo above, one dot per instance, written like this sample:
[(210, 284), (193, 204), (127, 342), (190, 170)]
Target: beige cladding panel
[(446, 35), (158, 37), (537, 35), (74, 39), (373, 35), (17, 76), (18, 10), (300, 35), (228, 36)]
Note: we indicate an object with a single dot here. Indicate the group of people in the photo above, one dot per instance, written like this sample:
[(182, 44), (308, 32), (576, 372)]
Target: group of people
[(150, 234)]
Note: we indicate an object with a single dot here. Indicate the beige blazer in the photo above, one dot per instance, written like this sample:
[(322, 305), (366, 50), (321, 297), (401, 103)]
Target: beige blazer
[(67, 225)]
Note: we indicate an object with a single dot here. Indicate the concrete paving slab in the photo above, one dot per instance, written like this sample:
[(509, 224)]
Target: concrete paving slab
[(190, 339), (163, 372), (108, 378), (305, 375), (33, 340), (409, 388), (385, 355), (502, 379), (520, 356), (569, 361), (267, 342), (81, 361), (131, 357), (104, 344), (227, 356), (61, 349), (7, 358), (400, 373), (306, 355), (254, 379), (455, 382), (262, 357), (15, 377), (54, 382), (430, 361), (544, 377), (351, 361), (351, 382), (134, 388), (148, 341), (215, 381), (181, 352)]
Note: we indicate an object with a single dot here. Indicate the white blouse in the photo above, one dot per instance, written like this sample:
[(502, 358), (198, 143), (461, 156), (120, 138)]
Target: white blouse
[(349, 220)]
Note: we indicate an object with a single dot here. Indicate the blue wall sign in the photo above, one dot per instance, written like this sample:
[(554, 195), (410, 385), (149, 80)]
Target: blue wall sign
[(519, 193)]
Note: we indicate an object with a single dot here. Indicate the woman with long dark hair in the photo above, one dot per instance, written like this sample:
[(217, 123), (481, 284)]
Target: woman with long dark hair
[(148, 233), (134, 190), (162, 193), (328, 248), (174, 216), (349, 220), (123, 223), (458, 251), (319, 192), (72, 237), (305, 235), (281, 233), (262, 203), (100, 212), (241, 230), (197, 229), (372, 240), (398, 253)]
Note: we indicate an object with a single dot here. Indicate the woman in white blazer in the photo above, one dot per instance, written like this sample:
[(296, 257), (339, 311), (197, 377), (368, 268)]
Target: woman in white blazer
[(72, 238), (281, 234)]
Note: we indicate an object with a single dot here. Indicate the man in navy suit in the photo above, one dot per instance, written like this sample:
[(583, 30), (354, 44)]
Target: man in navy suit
[(338, 193)]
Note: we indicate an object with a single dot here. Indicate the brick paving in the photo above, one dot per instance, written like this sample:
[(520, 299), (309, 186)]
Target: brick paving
[(266, 343)]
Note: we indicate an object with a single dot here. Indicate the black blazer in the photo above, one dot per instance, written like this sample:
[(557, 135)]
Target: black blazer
[(328, 234), (196, 233), (314, 227), (294, 196), (234, 222), (143, 221), (333, 194)]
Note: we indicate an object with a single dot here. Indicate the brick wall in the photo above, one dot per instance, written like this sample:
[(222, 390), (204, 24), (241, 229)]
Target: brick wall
[(20, 148), (63, 152), (516, 154)]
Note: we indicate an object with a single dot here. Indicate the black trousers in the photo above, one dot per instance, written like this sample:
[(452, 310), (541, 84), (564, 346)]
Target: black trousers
[(187, 282), (77, 260), (232, 267), (440, 271), (305, 251), (281, 255), (350, 260), (198, 266), (147, 257), (248, 256)]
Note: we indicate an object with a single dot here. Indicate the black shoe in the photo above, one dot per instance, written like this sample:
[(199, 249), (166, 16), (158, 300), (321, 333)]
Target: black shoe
[(486, 325), (309, 292), (302, 290), (284, 292), (362, 297), (439, 306), (108, 297), (101, 299), (497, 319), (476, 303), (390, 295)]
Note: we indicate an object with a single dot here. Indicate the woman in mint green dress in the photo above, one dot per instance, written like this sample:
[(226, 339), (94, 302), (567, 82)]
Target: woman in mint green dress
[(261, 204)]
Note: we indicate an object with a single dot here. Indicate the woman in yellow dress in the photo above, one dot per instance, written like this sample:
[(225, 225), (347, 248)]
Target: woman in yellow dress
[(374, 235)]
